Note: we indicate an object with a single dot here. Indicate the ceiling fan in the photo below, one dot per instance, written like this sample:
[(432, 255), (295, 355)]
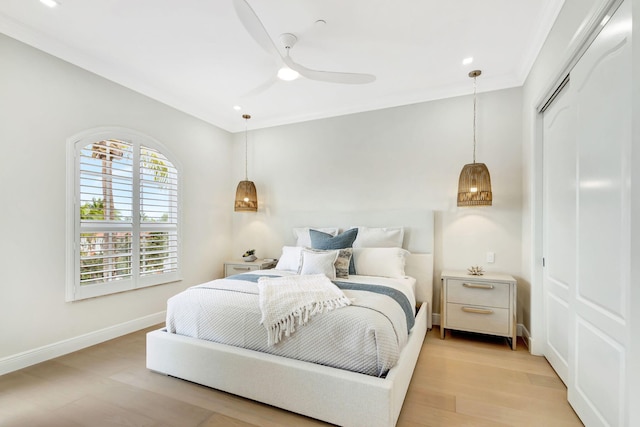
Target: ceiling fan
[(255, 28)]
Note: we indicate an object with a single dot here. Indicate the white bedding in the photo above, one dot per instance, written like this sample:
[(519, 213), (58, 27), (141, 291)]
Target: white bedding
[(365, 337)]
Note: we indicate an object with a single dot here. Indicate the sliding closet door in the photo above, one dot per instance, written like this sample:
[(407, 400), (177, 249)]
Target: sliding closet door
[(587, 144), (559, 222), (602, 85)]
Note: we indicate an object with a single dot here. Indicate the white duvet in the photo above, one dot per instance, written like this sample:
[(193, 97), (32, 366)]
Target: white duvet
[(366, 336)]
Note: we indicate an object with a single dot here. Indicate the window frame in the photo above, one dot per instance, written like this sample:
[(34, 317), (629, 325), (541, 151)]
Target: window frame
[(74, 290)]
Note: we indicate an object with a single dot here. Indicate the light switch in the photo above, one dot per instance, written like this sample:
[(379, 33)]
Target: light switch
[(491, 257)]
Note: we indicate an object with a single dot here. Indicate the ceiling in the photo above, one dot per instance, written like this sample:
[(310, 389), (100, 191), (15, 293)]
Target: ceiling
[(196, 55)]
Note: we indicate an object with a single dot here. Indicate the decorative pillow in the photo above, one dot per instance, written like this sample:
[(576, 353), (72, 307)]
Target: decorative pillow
[(320, 240), (369, 237), (384, 262), (290, 258), (302, 234), (342, 263), (312, 262)]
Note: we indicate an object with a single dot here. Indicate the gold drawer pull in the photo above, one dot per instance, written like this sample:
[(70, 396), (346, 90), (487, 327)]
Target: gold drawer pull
[(242, 268), (477, 286), (477, 310)]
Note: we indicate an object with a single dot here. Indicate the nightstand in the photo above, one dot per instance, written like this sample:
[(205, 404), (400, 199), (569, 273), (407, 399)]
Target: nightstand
[(484, 304), (239, 266)]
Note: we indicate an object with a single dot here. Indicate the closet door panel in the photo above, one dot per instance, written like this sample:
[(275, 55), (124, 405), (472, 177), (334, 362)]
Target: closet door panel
[(601, 82), (559, 219), (603, 97), (597, 388)]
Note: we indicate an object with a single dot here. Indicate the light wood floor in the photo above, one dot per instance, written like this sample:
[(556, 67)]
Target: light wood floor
[(464, 380)]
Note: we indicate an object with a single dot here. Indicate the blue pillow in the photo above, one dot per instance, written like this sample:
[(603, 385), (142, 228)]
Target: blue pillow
[(320, 240)]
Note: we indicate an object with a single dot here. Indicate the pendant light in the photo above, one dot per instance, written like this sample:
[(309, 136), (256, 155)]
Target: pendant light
[(474, 186), (246, 194)]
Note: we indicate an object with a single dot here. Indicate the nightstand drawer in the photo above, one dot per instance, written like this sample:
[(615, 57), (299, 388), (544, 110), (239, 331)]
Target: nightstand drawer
[(478, 293), (240, 266), (486, 320), (231, 269)]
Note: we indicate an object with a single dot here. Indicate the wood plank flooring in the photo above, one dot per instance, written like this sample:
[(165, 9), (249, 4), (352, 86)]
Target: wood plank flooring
[(464, 380)]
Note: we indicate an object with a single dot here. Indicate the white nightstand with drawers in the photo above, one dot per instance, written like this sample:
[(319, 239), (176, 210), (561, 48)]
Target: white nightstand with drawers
[(484, 304)]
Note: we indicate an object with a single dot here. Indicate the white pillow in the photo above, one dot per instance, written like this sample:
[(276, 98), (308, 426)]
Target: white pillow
[(290, 258), (384, 262), (302, 234), (342, 262), (369, 237), (312, 262)]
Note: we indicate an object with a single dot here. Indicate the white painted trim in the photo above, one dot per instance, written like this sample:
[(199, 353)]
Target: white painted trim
[(60, 348)]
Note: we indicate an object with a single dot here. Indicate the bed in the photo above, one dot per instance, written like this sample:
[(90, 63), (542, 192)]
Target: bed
[(332, 394)]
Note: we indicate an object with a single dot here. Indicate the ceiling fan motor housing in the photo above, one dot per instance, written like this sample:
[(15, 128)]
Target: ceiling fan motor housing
[(288, 40)]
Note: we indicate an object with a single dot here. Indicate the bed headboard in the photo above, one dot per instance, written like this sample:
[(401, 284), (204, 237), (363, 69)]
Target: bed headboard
[(420, 266), (418, 224), (418, 237)]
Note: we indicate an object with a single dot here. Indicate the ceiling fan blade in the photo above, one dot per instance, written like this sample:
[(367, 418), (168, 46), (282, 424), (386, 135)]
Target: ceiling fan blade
[(254, 27), (329, 76), (260, 88)]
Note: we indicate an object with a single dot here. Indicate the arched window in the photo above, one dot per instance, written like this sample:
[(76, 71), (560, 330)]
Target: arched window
[(124, 218)]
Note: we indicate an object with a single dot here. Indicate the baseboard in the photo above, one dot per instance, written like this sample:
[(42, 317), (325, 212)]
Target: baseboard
[(524, 333), (60, 348), (435, 317)]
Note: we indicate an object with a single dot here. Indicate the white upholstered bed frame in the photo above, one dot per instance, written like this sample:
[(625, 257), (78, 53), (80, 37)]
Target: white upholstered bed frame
[(329, 394)]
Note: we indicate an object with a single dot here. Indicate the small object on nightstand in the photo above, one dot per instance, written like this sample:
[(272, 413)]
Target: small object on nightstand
[(249, 255), (482, 304), (242, 266), (475, 270)]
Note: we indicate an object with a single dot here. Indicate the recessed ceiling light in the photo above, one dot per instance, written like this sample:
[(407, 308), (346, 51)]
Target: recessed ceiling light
[(237, 107), (467, 61), (50, 3)]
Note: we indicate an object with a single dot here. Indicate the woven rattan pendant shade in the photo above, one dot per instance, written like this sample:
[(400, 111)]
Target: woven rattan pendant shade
[(474, 185), (246, 197), (246, 194)]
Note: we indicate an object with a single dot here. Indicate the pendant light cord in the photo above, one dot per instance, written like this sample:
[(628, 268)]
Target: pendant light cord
[(474, 118), (246, 152), (246, 118)]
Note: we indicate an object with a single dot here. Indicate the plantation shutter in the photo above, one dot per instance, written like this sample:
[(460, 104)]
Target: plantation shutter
[(127, 219), (106, 212), (158, 214)]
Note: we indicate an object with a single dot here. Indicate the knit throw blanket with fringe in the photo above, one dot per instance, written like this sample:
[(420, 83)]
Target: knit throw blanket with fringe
[(290, 299)]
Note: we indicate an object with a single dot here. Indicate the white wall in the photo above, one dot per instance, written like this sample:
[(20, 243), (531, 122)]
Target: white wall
[(43, 101), (407, 157), (633, 367)]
